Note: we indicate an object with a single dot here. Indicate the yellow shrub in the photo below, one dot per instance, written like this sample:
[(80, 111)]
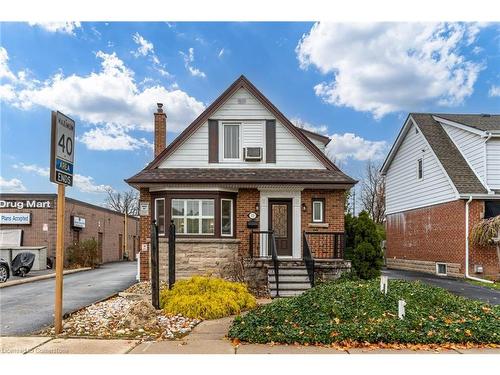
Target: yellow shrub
[(206, 298)]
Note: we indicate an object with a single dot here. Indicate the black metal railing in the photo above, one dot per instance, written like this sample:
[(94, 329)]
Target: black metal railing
[(326, 245), (267, 240), (308, 259)]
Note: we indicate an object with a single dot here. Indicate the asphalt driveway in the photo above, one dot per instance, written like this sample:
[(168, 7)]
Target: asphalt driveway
[(27, 308), (455, 286)]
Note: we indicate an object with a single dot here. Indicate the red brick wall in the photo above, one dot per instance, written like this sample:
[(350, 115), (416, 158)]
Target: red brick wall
[(245, 203), (96, 220), (145, 234), (437, 233), (160, 132), (322, 246)]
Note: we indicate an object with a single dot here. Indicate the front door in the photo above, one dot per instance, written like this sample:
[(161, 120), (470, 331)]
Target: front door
[(280, 221)]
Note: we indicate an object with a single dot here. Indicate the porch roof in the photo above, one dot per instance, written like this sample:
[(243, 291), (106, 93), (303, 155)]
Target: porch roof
[(233, 175)]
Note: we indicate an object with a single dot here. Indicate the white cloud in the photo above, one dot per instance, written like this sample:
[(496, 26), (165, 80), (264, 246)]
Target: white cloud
[(320, 129), (33, 168), (111, 137), (58, 27), (85, 184), (349, 145), (387, 67), (5, 71), (188, 60), (13, 185), (494, 91), (145, 47), (221, 52), (110, 99)]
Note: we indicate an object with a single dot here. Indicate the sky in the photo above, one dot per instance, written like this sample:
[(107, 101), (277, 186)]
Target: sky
[(355, 82)]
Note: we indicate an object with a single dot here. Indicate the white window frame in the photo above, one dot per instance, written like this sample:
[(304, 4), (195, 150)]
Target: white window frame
[(420, 160), (200, 216), (321, 206), (240, 141), (164, 215), (231, 217), (437, 269)]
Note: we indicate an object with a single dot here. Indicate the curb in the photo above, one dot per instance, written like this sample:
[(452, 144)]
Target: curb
[(41, 277)]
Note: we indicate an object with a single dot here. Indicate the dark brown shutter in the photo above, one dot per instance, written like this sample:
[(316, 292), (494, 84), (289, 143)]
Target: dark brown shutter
[(213, 141), (270, 141)]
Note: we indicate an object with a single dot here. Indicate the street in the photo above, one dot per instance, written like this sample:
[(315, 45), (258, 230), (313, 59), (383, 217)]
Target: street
[(29, 307), (455, 286)]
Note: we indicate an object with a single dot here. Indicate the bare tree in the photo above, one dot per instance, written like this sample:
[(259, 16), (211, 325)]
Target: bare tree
[(373, 192), (124, 202)]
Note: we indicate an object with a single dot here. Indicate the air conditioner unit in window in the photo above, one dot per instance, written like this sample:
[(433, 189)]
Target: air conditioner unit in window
[(253, 153)]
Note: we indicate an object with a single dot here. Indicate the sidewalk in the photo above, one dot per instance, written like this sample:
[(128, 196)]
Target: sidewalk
[(208, 337)]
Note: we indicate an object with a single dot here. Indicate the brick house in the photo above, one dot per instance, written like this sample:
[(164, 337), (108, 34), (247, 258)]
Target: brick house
[(237, 172), (106, 226), (442, 177)]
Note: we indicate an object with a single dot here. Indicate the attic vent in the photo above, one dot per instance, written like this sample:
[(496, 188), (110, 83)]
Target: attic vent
[(242, 100)]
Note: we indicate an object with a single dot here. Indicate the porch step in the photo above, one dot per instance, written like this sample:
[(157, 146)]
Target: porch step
[(293, 280), (286, 293), (288, 271), (289, 278)]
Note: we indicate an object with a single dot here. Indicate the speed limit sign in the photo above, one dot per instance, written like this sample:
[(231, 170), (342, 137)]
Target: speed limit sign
[(62, 149)]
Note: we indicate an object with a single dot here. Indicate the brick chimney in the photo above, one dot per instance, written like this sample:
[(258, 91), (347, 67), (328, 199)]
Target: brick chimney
[(160, 135)]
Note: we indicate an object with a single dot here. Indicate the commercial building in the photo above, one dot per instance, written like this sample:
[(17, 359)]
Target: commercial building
[(30, 220)]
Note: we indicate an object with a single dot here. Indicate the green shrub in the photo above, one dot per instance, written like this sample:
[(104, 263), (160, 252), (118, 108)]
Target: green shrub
[(206, 298), (366, 261), (357, 311), (363, 248), (83, 254)]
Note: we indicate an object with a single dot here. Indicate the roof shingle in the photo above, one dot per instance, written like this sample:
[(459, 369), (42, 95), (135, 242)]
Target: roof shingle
[(462, 176), (233, 175)]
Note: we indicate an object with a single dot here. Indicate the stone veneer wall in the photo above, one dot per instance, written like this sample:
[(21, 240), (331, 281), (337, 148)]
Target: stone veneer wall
[(202, 257)]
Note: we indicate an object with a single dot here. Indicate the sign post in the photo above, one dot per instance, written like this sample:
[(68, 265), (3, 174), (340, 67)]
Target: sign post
[(61, 172)]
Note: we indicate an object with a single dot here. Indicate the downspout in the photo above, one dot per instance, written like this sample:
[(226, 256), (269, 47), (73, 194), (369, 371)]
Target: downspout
[(485, 160), (467, 276)]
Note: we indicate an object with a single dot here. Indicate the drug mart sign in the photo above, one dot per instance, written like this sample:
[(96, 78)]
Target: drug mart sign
[(20, 204), (15, 218)]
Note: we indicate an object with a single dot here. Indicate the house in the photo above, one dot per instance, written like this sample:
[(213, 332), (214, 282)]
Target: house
[(237, 172), (442, 177)]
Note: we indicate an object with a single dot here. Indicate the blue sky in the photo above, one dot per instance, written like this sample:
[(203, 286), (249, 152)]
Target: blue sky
[(353, 82)]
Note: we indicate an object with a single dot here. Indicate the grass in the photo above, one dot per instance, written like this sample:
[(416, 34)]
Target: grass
[(495, 285), (356, 311)]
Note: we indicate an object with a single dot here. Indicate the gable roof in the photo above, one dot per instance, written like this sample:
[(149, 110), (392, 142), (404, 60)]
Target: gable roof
[(242, 82), (461, 175), (483, 122), (319, 137)]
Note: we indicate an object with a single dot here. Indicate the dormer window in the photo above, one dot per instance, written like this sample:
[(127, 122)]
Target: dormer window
[(231, 141)]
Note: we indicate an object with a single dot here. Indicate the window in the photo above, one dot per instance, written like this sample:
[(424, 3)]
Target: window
[(193, 216), (226, 222), (160, 215), (318, 210), (441, 269), (420, 169), (231, 141)]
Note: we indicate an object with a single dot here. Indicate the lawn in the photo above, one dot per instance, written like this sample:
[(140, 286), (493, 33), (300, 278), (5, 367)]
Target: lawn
[(356, 311)]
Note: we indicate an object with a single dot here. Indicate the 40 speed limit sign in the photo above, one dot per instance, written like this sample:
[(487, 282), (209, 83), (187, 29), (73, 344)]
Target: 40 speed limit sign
[(62, 149)]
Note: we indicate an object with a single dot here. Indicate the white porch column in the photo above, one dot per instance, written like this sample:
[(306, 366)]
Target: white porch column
[(285, 193)]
